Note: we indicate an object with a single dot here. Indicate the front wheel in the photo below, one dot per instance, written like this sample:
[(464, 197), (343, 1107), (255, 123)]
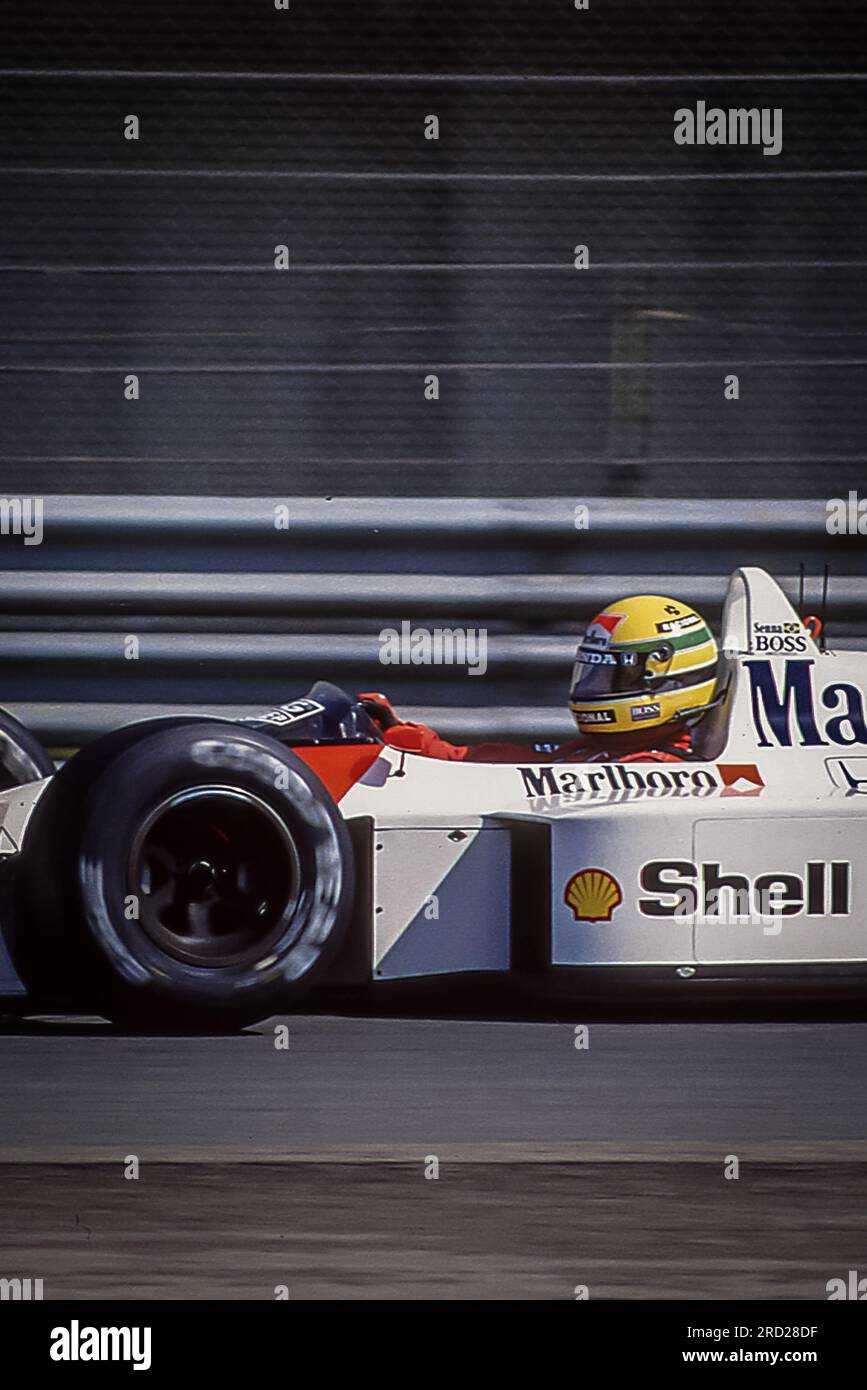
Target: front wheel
[(191, 875)]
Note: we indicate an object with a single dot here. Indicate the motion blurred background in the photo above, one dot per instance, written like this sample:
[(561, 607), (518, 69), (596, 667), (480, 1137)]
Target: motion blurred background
[(304, 127)]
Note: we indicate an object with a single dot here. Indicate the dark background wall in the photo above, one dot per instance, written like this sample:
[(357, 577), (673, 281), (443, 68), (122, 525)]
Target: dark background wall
[(305, 127)]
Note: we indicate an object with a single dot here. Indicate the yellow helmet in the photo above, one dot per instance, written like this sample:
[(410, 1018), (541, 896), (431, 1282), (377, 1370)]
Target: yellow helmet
[(644, 661)]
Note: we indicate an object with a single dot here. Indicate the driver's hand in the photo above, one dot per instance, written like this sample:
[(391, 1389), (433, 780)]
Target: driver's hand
[(380, 709)]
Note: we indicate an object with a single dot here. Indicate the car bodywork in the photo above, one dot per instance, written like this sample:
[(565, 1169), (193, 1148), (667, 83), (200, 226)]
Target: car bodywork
[(751, 856)]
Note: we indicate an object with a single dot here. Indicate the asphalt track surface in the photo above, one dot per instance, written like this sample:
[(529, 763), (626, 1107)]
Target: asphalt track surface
[(350, 1087), (305, 1166)]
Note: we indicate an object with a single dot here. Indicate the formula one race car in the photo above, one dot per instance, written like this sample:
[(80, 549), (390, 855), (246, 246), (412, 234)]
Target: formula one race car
[(196, 871)]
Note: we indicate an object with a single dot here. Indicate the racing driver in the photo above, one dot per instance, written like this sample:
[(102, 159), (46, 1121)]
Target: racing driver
[(644, 672)]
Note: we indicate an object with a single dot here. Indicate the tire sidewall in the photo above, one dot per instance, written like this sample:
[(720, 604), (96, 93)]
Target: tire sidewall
[(128, 970)]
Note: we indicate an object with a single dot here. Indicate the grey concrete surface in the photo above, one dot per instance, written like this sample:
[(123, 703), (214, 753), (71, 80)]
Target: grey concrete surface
[(502, 1231)]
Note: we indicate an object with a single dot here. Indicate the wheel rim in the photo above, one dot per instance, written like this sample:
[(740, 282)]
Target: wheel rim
[(17, 765), (217, 876)]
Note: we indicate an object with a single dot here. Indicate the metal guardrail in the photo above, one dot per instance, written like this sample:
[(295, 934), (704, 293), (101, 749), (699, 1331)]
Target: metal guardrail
[(325, 595), (551, 518), (233, 613)]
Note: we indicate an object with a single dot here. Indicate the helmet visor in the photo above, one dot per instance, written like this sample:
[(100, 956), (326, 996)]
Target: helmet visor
[(599, 674)]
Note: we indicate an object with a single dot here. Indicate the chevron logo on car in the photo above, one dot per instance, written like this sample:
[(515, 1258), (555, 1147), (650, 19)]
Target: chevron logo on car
[(740, 779)]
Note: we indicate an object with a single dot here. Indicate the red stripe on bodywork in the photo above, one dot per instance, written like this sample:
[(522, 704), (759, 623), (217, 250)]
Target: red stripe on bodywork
[(340, 765)]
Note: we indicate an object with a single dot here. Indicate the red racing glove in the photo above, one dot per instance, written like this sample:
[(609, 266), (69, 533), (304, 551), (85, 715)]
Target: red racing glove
[(418, 738)]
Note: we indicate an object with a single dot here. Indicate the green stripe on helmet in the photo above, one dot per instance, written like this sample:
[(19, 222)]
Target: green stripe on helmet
[(696, 637)]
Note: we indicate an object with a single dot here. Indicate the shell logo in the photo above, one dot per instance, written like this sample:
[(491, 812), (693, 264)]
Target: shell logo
[(592, 895)]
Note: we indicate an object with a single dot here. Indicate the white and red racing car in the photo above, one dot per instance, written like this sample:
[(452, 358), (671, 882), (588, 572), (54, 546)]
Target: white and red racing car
[(197, 871)]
